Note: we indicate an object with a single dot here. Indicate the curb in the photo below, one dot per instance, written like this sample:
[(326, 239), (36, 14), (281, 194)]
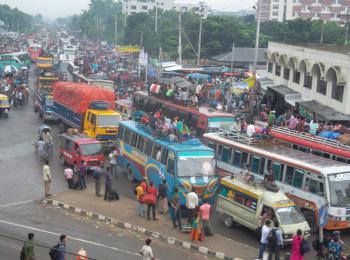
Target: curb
[(124, 225)]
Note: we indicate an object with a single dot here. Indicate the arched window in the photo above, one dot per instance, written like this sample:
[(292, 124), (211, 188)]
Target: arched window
[(337, 89)]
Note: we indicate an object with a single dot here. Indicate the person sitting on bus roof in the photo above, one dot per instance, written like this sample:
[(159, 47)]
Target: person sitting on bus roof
[(269, 176)]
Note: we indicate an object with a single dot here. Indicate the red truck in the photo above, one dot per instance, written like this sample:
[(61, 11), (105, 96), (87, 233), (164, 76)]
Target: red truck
[(74, 148)]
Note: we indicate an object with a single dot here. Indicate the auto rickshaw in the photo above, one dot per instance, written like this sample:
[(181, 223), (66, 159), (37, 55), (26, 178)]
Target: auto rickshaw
[(4, 106)]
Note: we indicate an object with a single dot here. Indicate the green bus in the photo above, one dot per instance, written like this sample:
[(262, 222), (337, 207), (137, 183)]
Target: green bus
[(17, 59)]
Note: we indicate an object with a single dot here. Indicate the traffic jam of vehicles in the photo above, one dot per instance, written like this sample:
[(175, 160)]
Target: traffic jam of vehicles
[(193, 130)]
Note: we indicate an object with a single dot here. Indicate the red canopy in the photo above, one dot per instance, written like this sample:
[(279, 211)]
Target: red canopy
[(78, 96)]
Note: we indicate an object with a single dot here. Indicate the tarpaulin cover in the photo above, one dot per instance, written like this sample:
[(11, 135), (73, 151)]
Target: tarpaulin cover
[(78, 96)]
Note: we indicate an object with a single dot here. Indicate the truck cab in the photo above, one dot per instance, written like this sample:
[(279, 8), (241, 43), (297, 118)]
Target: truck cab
[(74, 148), (102, 124)]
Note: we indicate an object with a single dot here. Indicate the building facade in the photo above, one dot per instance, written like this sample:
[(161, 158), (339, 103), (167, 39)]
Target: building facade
[(144, 6), (316, 73), (273, 10), (327, 10)]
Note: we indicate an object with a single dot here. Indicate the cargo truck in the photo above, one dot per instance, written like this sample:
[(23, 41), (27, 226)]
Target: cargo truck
[(87, 108)]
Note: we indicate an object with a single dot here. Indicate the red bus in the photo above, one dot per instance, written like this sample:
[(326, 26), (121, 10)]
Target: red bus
[(204, 119), (34, 50)]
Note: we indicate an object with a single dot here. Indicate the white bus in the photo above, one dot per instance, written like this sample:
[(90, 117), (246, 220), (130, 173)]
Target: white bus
[(310, 181)]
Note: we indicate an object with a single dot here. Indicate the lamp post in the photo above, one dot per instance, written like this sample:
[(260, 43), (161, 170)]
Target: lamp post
[(257, 36), (203, 15)]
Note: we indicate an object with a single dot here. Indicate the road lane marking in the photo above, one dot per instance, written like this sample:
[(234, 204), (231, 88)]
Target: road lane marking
[(70, 237), (15, 203)]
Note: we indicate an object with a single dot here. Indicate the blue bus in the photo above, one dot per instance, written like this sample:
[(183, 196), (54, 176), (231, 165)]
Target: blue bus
[(184, 165)]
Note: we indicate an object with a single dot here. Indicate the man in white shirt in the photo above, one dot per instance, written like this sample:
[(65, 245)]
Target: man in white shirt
[(265, 231), (251, 130), (191, 204), (68, 175), (146, 251), (113, 162), (46, 178)]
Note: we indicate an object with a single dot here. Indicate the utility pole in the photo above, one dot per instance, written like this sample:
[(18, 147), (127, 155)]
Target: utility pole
[(322, 32), (156, 22), (347, 27), (257, 36), (115, 30), (199, 40), (141, 41), (180, 40), (233, 51)]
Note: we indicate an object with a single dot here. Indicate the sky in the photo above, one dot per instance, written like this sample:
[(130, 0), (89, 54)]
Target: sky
[(60, 8)]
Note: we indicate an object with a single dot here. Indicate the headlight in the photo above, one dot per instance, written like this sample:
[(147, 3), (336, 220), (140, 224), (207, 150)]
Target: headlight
[(307, 232), (286, 236)]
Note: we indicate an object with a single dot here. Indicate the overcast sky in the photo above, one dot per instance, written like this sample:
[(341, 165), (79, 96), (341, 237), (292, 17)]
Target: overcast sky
[(57, 8)]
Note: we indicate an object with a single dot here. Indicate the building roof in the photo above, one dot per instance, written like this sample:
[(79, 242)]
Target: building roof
[(241, 55), (343, 49)]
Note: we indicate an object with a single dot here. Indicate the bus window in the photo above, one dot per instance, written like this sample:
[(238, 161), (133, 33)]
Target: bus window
[(316, 152), (148, 147), (93, 119), (127, 135), (170, 163), (277, 171), (298, 178), (341, 159), (255, 164), (219, 151), (151, 106), (326, 155), (212, 145), (164, 156), (314, 186), (121, 133), (134, 139), (289, 175), (141, 143), (237, 159), (155, 151), (244, 160), (304, 149), (226, 154), (88, 116), (262, 166)]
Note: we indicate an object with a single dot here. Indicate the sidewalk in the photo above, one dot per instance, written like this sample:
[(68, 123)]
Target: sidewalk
[(124, 210)]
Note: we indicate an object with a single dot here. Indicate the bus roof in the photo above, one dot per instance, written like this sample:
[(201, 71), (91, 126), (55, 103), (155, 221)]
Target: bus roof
[(256, 191), (207, 111), (191, 145), (280, 152)]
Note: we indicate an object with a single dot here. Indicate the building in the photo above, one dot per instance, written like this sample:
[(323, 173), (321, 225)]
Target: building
[(315, 79), (273, 10), (242, 57), (144, 6), (327, 10)]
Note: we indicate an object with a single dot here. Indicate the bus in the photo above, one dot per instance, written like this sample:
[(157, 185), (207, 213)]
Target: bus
[(17, 60), (34, 50), (93, 80), (203, 119), (305, 142), (310, 182), (23, 57), (184, 165)]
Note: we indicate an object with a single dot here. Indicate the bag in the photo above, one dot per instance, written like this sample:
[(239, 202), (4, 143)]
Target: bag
[(149, 198), (96, 175), (304, 247), (272, 238), (113, 195), (22, 255), (54, 252)]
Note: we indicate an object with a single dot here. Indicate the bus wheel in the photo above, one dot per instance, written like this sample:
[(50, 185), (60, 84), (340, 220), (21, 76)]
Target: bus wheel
[(129, 173), (311, 220), (228, 221)]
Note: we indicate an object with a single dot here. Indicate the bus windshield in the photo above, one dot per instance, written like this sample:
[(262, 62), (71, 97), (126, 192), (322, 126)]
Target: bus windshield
[(195, 166), (339, 187), (289, 216), (108, 120), (91, 149)]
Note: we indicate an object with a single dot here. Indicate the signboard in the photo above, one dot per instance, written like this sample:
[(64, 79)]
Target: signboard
[(322, 216)]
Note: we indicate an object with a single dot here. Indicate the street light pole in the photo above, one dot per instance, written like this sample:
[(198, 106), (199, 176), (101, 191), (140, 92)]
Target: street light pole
[(322, 32), (115, 30), (180, 39), (199, 40), (257, 36), (347, 27), (156, 22)]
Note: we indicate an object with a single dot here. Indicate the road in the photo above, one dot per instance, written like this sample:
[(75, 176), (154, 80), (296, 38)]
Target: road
[(21, 173)]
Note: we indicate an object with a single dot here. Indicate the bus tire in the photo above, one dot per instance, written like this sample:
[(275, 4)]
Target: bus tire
[(228, 221), (310, 219), (129, 173)]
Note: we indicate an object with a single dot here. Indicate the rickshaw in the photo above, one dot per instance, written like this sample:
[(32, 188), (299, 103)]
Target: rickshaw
[(4, 106), (44, 134)]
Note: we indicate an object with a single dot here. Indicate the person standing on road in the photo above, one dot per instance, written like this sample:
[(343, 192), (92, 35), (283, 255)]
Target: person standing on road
[(81, 174), (46, 178), (152, 192), (146, 251), (97, 172), (296, 244), (275, 242), (163, 197), (108, 184), (205, 213), (62, 248), (191, 204), (68, 175), (113, 162), (28, 248), (175, 208), (265, 231), (139, 192), (41, 148)]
